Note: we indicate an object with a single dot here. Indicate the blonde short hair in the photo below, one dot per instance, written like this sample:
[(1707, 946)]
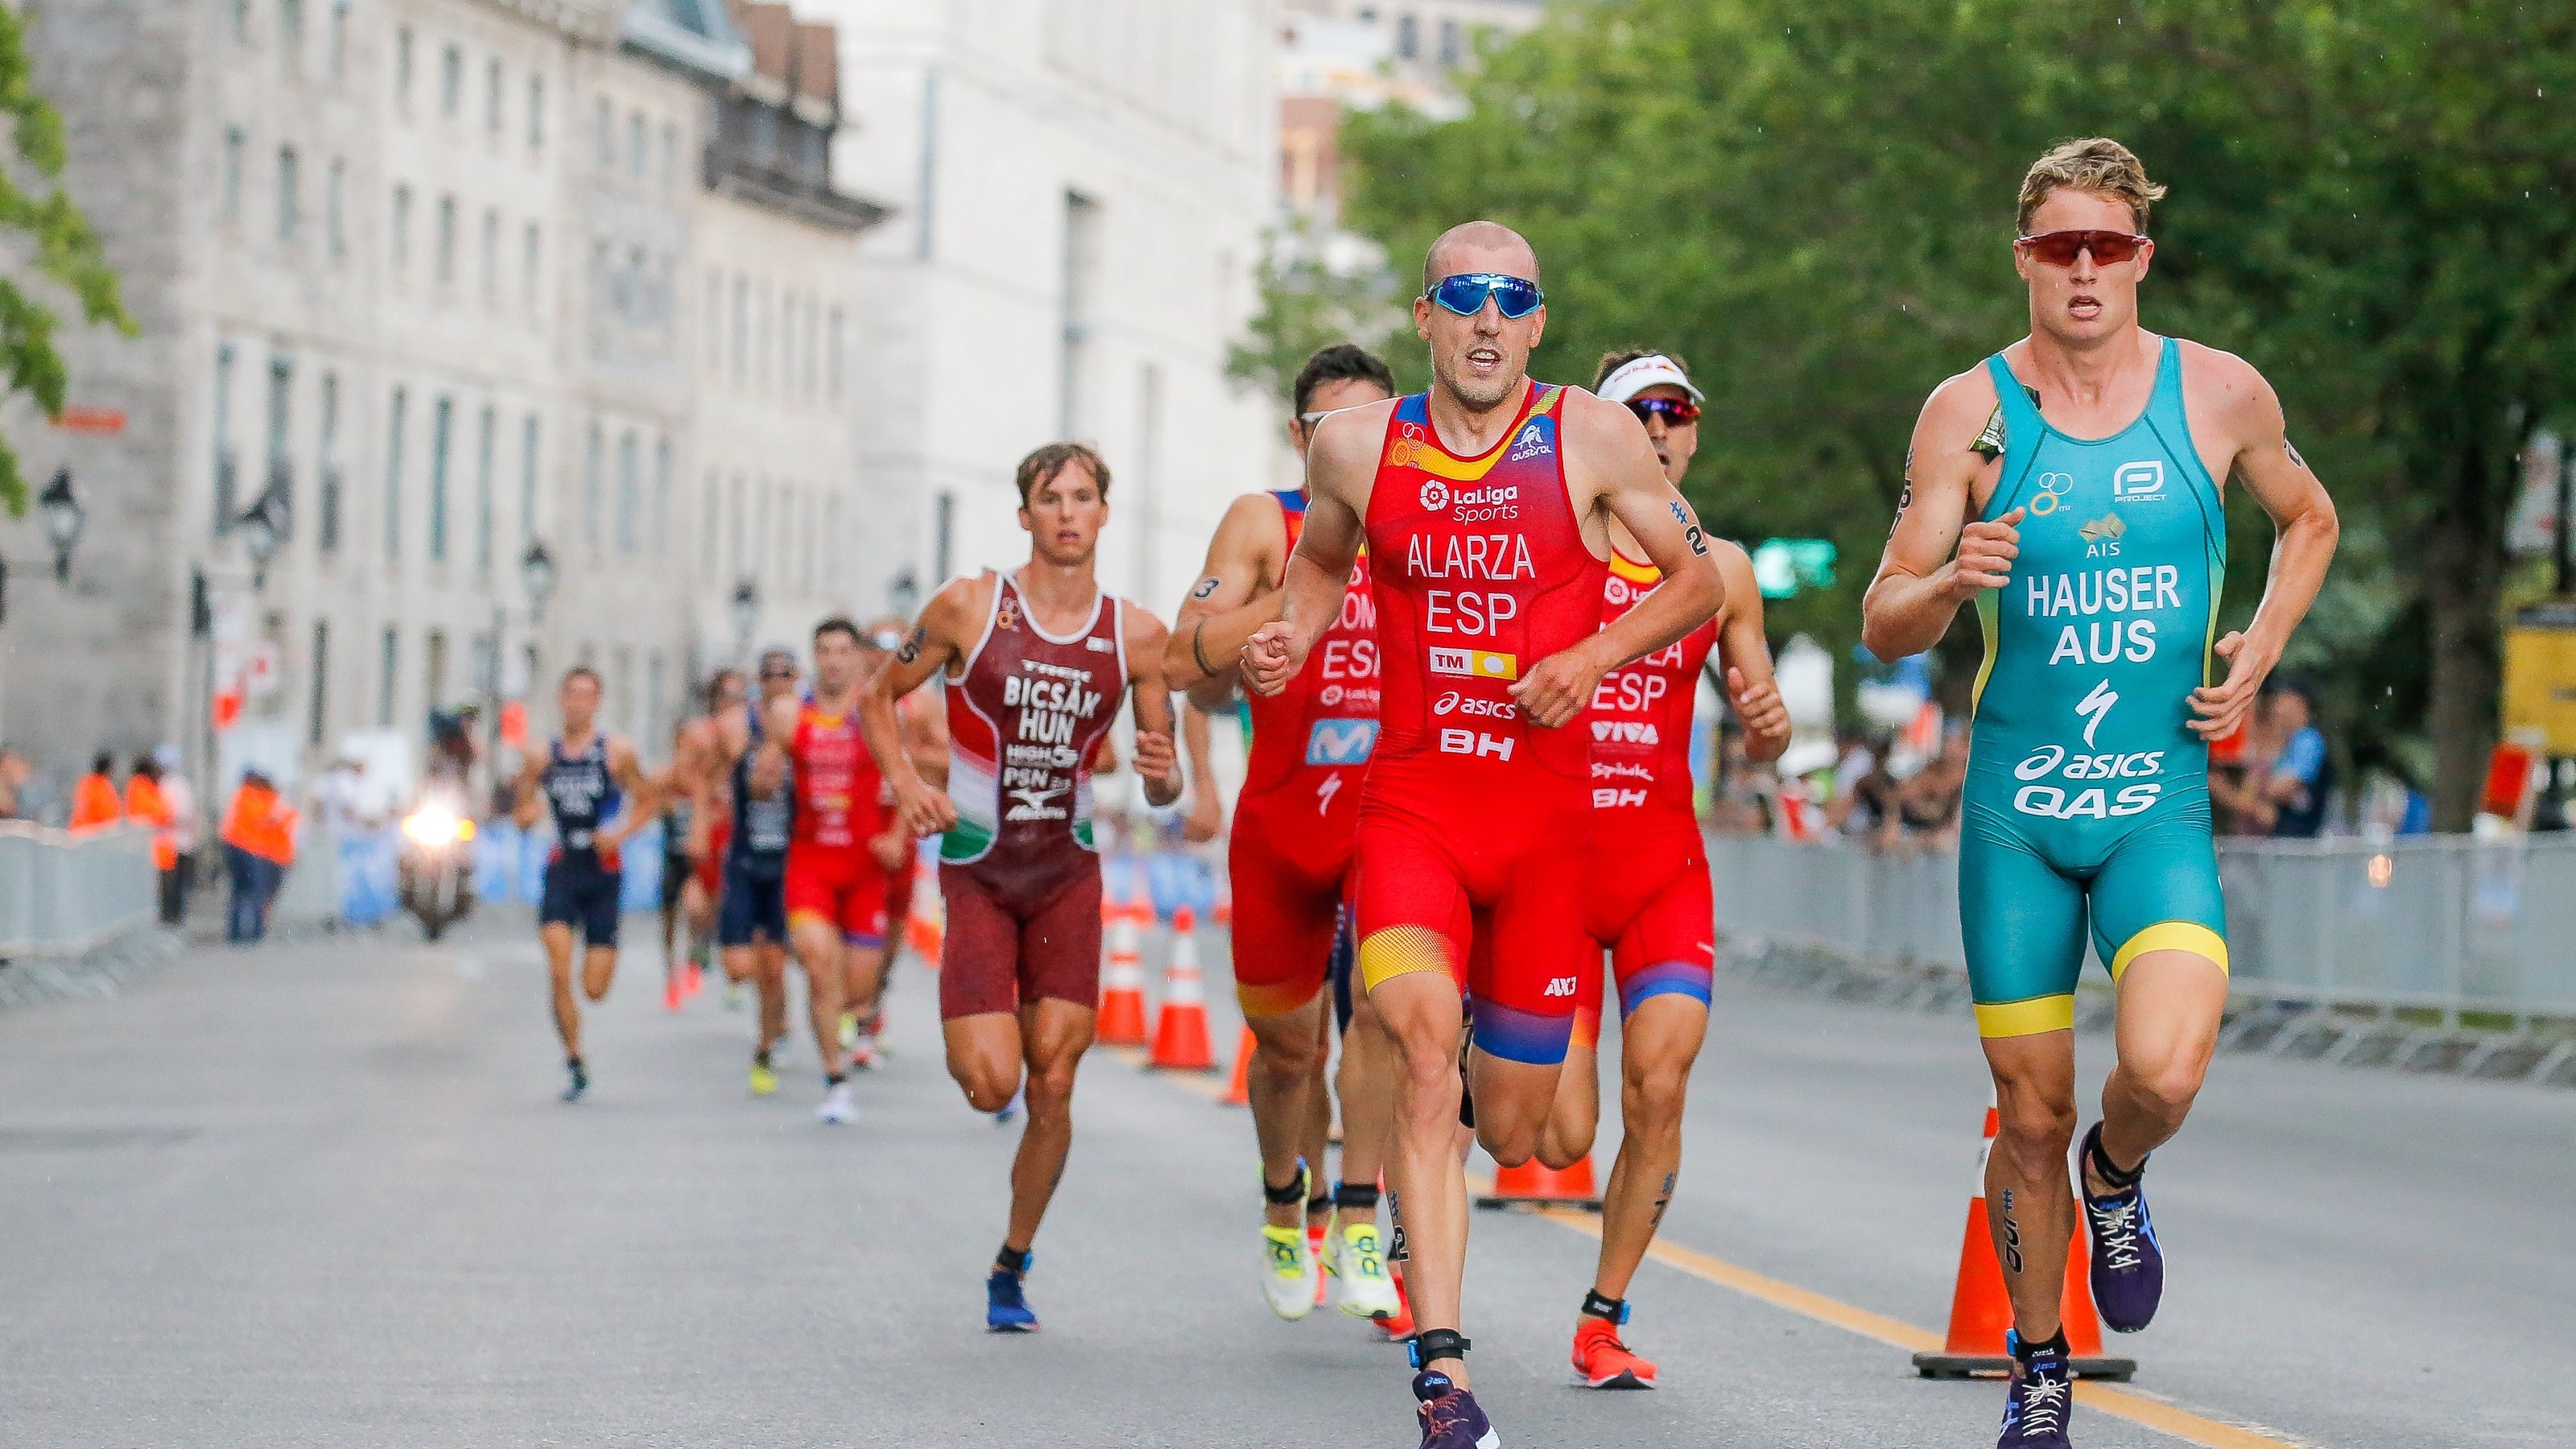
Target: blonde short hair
[(2096, 164)]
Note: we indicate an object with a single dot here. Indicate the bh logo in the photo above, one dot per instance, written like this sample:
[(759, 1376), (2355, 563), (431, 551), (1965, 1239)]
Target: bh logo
[(1435, 496), (2136, 481)]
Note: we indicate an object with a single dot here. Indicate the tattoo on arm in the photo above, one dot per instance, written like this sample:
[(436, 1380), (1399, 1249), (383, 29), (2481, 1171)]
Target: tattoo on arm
[(1680, 514), (911, 649), (1206, 586), (1698, 540), (1198, 632), (2293, 450)]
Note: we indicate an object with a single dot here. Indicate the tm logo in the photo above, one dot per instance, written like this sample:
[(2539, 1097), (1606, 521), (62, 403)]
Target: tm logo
[(2139, 481), (2096, 708)]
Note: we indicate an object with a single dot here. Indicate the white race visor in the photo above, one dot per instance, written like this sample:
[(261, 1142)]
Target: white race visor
[(1652, 370)]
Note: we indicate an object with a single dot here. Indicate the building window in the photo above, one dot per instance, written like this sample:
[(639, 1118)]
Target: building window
[(1451, 51), (442, 422), (402, 75), (528, 479), (326, 531), (402, 231), (710, 527), (593, 484), (832, 544), (225, 487), (670, 155), (281, 394), (629, 494), (491, 255), (635, 146), (605, 139), (484, 443), (1408, 36), (434, 676), (339, 39), (1081, 269), (446, 241), (290, 31), (662, 498), (235, 143), (334, 222), (531, 245), (492, 99), (832, 357), (317, 722), (241, 20), (393, 488), (741, 322), (536, 114), (290, 200), (451, 82), (388, 660), (763, 321)]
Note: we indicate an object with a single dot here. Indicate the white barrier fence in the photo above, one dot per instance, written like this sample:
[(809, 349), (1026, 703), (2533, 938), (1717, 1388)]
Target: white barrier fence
[(62, 893), (2448, 923)]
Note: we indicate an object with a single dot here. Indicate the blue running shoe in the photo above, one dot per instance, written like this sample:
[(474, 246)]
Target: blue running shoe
[(2043, 1390), (1006, 1304), (2128, 1267), (1450, 1418)]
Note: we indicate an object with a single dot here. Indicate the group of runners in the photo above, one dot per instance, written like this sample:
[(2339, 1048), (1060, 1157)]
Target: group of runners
[(1469, 648)]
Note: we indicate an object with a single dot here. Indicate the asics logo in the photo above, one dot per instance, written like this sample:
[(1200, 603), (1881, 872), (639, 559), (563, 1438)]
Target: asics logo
[(1455, 703)]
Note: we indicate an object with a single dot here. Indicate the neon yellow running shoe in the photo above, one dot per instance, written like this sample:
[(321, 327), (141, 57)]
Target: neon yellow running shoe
[(764, 1079), (1288, 1277), (1353, 1256)]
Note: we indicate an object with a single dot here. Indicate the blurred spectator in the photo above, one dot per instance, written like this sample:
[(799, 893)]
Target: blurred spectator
[(1740, 802), (1927, 805), (1864, 806), (340, 799), (2303, 773), (259, 845), (145, 804), (2236, 768), (14, 774), (185, 829), (94, 799)]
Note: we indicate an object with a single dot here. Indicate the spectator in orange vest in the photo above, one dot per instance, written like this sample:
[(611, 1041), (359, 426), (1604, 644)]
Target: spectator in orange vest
[(259, 844), (94, 801), (146, 805)]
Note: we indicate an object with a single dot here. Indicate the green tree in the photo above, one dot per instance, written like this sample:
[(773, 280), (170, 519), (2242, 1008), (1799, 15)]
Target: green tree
[(1813, 200), (1316, 290), (64, 250)]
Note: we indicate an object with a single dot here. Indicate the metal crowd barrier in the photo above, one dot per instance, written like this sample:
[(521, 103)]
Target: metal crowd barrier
[(2448, 923), (62, 894)]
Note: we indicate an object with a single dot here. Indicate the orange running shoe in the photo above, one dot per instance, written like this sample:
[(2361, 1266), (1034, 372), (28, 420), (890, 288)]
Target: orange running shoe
[(670, 991), (1601, 1361), (1399, 1325), (1315, 1251), (692, 980)]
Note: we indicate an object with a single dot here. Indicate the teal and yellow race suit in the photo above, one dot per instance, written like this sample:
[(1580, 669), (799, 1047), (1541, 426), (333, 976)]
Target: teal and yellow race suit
[(2087, 792)]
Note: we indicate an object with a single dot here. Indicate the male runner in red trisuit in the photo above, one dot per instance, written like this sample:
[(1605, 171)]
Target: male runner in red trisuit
[(1036, 661), (1646, 891), (748, 837), (835, 885), (925, 740), (1485, 505), (1290, 859)]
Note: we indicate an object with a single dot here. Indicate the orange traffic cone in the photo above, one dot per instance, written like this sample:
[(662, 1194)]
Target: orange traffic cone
[(1535, 1184), (1981, 1312), (1181, 1028), (1122, 982), (1239, 1092), (922, 929)]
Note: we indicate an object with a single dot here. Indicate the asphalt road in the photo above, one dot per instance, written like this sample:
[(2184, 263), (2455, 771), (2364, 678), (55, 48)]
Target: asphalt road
[(322, 1194)]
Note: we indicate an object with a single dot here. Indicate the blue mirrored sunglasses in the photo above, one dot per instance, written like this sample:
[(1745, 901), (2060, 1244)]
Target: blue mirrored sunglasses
[(1465, 294)]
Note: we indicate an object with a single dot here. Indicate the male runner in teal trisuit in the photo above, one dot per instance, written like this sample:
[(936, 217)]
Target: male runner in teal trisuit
[(2078, 472)]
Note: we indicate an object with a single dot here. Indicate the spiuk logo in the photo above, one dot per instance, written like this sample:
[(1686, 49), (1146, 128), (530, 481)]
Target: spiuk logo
[(1435, 496)]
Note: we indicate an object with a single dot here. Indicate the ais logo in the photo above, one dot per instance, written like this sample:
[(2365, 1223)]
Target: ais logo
[(1341, 741)]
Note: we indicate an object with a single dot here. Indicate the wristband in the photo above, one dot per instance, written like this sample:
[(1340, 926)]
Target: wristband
[(1198, 631)]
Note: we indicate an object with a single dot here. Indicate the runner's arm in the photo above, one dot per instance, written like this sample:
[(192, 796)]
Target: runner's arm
[(1606, 448), (1156, 764), (1232, 597), (1920, 586), (777, 734), (2305, 528), (643, 793), (1207, 813), (1744, 656), (524, 805), (1341, 466), (925, 727), (935, 642)]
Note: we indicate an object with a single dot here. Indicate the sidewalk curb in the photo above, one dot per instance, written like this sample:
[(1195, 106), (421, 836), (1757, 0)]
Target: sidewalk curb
[(99, 971)]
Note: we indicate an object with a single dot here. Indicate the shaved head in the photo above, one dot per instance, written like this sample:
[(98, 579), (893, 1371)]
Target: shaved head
[(1479, 246)]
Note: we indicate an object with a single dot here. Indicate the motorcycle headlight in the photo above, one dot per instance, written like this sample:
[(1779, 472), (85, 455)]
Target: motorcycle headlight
[(433, 827)]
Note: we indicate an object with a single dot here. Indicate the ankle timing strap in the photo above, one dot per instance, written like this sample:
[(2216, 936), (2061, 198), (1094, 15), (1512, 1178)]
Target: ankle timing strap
[(1596, 1306), (2103, 1168), (1293, 1193), (1355, 1194), (1016, 1260), (1433, 1344)]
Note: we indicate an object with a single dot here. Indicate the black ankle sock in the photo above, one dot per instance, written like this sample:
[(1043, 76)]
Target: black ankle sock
[(1355, 1195), (833, 1079), (2054, 1343), (1014, 1261), (1318, 1205)]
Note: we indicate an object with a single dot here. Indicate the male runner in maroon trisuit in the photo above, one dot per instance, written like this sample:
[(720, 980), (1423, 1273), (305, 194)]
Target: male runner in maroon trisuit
[(1485, 505), (1037, 660), (1290, 862)]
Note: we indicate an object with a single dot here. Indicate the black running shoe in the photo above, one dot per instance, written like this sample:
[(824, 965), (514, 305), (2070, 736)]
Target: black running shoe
[(580, 1082), (2128, 1267), (2043, 1390), (1450, 1418)]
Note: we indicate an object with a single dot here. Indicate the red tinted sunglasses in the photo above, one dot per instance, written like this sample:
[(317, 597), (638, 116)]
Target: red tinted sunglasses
[(2058, 248), (1677, 412)]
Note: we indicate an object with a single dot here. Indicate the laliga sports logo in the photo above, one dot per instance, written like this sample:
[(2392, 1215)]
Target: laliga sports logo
[(2052, 493), (1618, 590), (1435, 496)]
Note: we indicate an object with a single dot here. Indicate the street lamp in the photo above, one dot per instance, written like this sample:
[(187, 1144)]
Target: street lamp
[(64, 518), (537, 573), (904, 594), (746, 616), (263, 528)]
